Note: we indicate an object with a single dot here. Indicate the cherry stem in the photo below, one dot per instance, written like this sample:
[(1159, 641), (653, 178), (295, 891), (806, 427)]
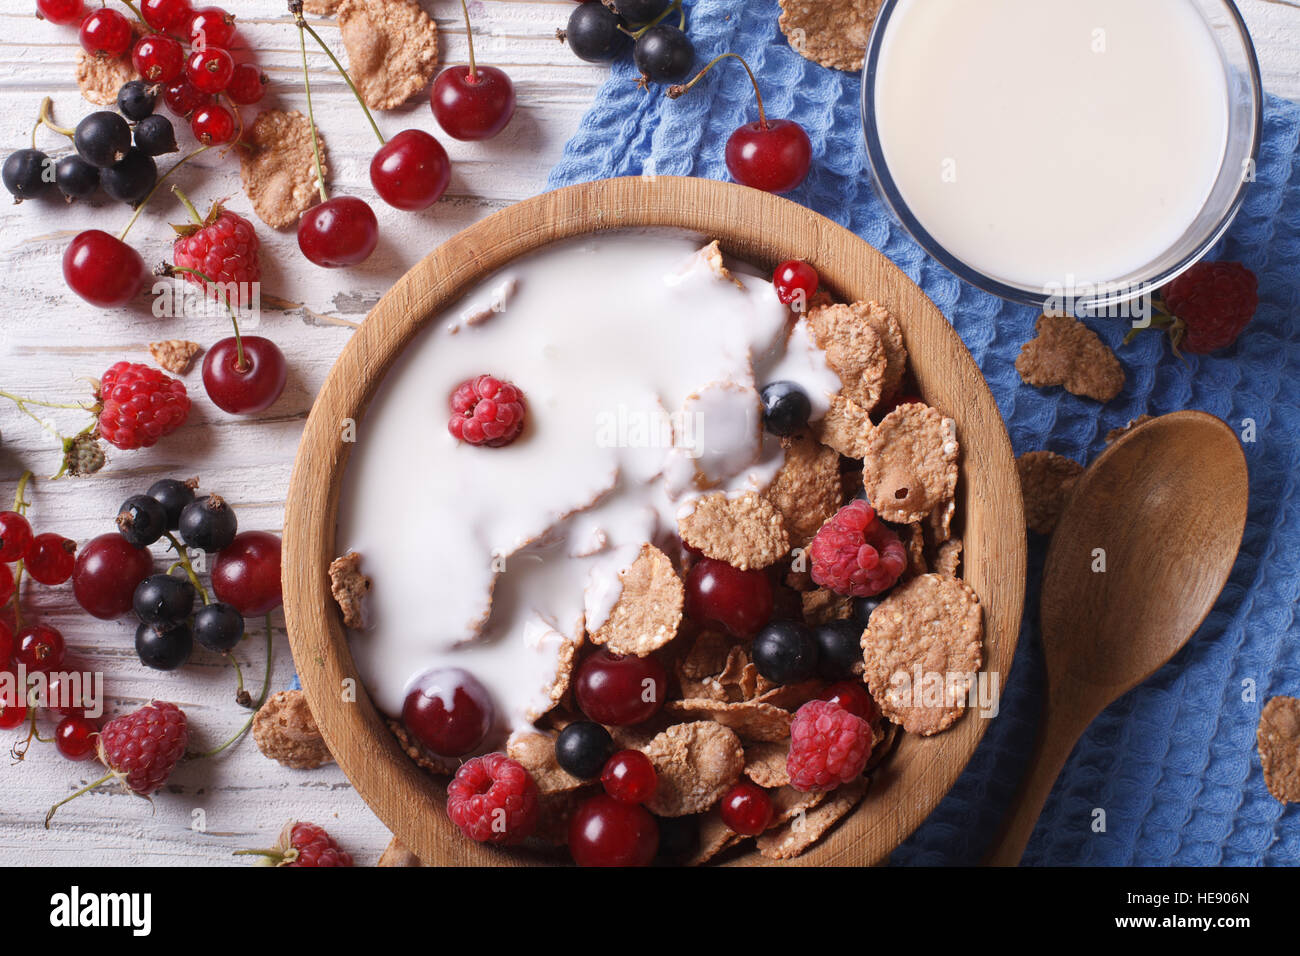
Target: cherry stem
[(343, 73), (189, 206), (295, 6), (86, 789), (241, 362), (266, 690), (638, 33), (679, 90), (44, 119), (469, 38), (161, 179), (185, 563)]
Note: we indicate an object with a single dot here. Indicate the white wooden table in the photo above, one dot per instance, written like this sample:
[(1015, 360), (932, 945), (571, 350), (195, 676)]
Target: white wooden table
[(49, 338)]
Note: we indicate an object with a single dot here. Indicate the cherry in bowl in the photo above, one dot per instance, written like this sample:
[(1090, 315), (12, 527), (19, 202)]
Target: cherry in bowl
[(448, 711)]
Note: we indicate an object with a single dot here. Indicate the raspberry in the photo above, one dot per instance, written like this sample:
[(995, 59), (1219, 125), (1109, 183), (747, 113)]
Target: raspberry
[(140, 405), (144, 745), (1211, 303), (486, 411), (828, 746), (493, 799), (224, 248), (313, 846), (854, 553)]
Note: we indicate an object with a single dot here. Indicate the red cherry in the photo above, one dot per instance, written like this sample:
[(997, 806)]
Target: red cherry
[(774, 157), (213, 124), (795, 280), (39, 648), (15, 535), (246, 575), (183, 99), (606, 832), (342, 231), (248, 390), (158, 58), (738, 601), (746, 808), (63, 12), (247, 84), (166, 16), (629, 777), (102, 269), (472, 105), (210, 69), (50, 557), (448, 711), (411, 170), (106, 574), (211, 27), (12, 713), (619, 691), (105, 33), (76, 738), (7, 588), (853, 697)]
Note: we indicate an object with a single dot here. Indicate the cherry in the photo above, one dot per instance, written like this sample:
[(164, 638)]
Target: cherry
[(853, 697), (411, 170), (448, 711), (247, 84), (796, 282), (213, 124), (211, 27), (105, 33), (616, 690), (248, 388), (166, 16), (472, 102), (62, 12), (629, 777), (102, 269), (50, 557), (746, 808), (342, 231), (12, 714), (738, 601), (246, 575), (158, 58), (7, 587), (106, 574), (76, 737), (607, 832), (39, 648), (15, 535), (183, 99)]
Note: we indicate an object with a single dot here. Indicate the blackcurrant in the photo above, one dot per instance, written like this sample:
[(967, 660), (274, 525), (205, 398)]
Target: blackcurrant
[(25, 173), (75, 177), (863, 606), (784, 652), (593, 33), (218, 627), (839, 649), (173, 495), (208, 524), (640, 11), (141, 520), (130, 180), (582, 749), (164, 648), (155, 135), (163, 599), (785, 408), (664, 54), (102, 138), (136, 99)]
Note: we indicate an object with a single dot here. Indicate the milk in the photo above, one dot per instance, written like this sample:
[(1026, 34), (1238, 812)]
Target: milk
[(1044, 141)]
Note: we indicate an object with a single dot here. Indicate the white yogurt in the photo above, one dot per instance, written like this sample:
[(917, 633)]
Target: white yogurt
[(1038, 140), (637, 363)]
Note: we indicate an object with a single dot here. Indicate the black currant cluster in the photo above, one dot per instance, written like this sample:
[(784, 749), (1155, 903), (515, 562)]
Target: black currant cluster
[(164, 603), (112, 150), (661, 49)]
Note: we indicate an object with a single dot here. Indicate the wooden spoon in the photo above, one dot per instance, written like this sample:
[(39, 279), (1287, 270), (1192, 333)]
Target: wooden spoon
[(1164, 508)]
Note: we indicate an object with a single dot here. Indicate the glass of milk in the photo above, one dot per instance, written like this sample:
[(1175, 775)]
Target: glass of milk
[(1088, 148)]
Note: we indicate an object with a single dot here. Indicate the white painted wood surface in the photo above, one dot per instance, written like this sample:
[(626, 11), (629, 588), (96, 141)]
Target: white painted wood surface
[(49, 338)]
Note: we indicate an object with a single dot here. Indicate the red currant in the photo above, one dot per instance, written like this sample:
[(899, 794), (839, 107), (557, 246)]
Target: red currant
[(249, 389), (411, 170), (795, 281), (746, 808), (63, 12), (773, 156), (105, 33), (76, 737), (472, 103), (15, 535), (102, 269), (7, 586), (158, 58), (50, 557), (66, 697), (629, 777), (448, 711), (342, 231), (12, 713), (209, 69), (738, 601), (852, 695), (183, 99), (607, 832), (107, 573), (211, 27), (618, 691), (39, 648), (247, 84), (246, 574), (166, 16), (213, 124)]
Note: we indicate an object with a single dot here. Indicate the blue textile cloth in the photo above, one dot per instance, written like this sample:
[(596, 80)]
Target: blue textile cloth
[(1174, 763)]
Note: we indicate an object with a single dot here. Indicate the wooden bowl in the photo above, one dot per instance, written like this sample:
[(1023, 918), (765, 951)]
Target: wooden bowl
[(753, 226)]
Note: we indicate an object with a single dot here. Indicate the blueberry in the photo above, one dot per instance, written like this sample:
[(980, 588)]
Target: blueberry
[(102, 139), (785, 652), (25, 174), (136, 99), (839, 648), (664, 54), (218, 627), (154, 135), (785, 408), (862, 608), (141, 520), (208, 524), (130, 180), (75, 177), (640, 11), (593, 33), (582, 749), (163, 599), (164, 648), (679, 838), (173, 495)]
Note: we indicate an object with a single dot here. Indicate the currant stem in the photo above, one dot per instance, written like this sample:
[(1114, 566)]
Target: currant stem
[(241, 363), (296, 8), (189, 206), (346, 78), (131, 6), (44, 119), (161, 179), (266, 690), (638, 33), (86, 789), (185, 563), (679, 90), (469, 38)]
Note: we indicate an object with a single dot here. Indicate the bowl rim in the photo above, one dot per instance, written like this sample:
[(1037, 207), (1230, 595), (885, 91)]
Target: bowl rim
[(1103, 301), (754, 226)]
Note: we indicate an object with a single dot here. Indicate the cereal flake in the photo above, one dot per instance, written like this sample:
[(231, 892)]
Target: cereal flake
[(794, 836), (536, 751), (910, 467), (1046, 482), (392, 49), (846, 427), (278, 168), (823, 606), (649, 609), (695, 763), (1279, 748), (1066, 352), (285, 731), (854, 349), (175, 355), (751, 719), (349, 587), (830, 32), (765, 763), (807, 488), (747, 532)]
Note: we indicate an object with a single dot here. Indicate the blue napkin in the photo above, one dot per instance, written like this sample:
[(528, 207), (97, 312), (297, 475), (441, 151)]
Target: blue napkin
[(1173, 764)]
